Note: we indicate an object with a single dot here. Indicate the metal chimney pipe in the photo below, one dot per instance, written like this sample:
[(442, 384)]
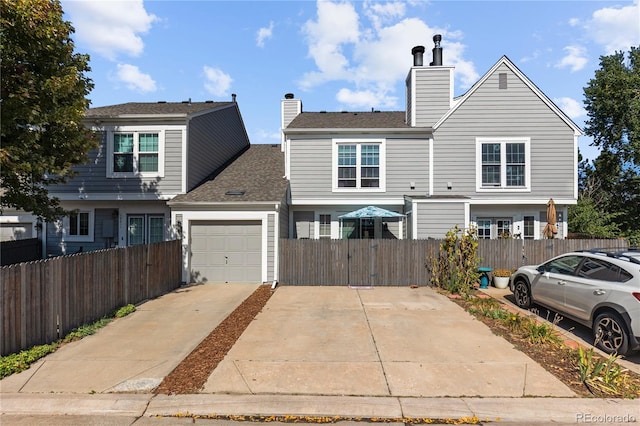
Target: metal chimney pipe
[(437, 51), (417, 53)]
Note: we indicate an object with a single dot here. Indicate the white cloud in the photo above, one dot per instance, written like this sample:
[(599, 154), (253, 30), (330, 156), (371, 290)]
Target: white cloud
[(615, 28), (337, 24), (373, 51), (380, 13), (135, 79), (574, 22), (110, 27), (217, 81), (575, 59), (264, 33), (571, 107)]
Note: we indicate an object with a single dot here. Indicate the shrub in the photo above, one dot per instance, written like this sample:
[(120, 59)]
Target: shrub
[(455, 267)]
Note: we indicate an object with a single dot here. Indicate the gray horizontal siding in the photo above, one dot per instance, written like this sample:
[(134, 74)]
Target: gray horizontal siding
[(435, 219), (407, 160), (283, 219), (172, 181), (516, 111), (214, 138), (56, 246), (432, 96), (92, 177), (290, 110), (310, 170)]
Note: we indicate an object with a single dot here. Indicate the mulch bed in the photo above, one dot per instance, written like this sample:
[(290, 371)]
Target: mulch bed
[(558, 359), (194, 371)]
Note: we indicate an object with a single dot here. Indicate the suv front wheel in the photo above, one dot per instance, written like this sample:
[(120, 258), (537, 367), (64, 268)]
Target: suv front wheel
[(610, 333), (522, 293)]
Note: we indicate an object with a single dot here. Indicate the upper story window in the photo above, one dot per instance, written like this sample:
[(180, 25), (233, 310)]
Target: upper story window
[(135, 153), (79, 226), (503, 164), (358, 165)]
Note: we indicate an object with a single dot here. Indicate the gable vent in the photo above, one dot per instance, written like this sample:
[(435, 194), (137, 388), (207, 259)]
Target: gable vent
[(502, 80)]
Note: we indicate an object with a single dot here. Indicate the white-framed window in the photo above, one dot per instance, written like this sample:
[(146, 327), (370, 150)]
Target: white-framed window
[(484, 229), (79, 226), (135, 152), (358, 165), (324, 226), (145, 229), (492, 228), (503, 164)]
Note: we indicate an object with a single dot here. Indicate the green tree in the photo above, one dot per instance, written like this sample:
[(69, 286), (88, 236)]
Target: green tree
[(44, 87), (612, 101)]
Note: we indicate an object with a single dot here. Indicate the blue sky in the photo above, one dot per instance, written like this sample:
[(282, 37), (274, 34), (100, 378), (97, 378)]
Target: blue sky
[(337, 55)]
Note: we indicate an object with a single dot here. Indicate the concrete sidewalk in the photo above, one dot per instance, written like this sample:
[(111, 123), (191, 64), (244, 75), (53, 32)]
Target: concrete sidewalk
[(313, 351)]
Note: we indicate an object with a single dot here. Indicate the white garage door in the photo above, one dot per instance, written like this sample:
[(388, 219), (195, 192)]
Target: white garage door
[(226, 251)]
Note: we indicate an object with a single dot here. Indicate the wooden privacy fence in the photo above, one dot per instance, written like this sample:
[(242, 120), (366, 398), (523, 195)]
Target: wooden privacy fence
[(44, 300), (20, 251), (404, 262)]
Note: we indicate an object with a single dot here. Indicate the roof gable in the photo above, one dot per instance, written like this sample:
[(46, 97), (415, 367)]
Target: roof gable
[(512, 67)]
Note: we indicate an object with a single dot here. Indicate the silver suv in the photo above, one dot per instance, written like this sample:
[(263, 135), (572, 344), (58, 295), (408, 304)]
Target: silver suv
[(597, 288)]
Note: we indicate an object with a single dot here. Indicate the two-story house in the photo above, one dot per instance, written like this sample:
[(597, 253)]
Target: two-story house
[(148, 154), (177, 170), (491, 158)]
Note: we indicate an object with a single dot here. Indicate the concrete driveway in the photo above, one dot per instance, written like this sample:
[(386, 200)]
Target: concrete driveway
[(386, 341)]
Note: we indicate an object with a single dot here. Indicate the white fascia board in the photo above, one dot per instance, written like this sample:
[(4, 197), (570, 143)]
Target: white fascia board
[(360, 131), (97, 196), (349, 202), (199, 206), (493, 201), (287, 158), (507, 201)]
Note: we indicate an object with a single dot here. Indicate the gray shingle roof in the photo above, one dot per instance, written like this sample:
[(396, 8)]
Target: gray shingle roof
[(349, 120), (258, 172), (148, 108)]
